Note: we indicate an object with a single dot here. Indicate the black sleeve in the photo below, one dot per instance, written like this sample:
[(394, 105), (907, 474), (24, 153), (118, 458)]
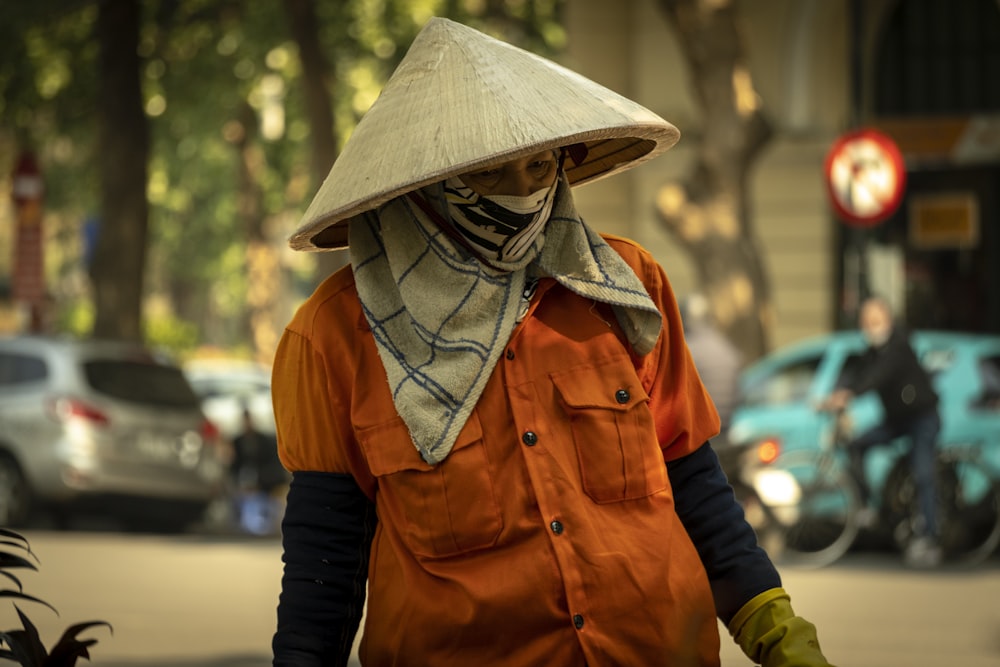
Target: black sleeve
[(738, 569), (880, 366), (326, 535)]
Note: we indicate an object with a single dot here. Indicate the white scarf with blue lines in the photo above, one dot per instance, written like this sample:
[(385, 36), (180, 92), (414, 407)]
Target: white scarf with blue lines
[(441, 317)]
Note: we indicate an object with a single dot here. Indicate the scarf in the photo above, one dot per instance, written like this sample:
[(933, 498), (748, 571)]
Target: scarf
[(441, 318)]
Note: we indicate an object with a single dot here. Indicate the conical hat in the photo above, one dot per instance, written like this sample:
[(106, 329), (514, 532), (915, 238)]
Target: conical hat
[(460, 100)]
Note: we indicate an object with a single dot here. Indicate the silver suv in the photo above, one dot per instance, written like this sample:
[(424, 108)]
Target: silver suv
[(103, 426)]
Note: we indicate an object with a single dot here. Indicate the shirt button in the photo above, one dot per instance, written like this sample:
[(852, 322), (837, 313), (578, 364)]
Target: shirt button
[(510, 354), (529, 438), (622, 396), (556, 527), (578, 621)]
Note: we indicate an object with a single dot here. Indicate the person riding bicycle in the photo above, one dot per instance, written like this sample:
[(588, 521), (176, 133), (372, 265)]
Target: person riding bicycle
[(890, 368)]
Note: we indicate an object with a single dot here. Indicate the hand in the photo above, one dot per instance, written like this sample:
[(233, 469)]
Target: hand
[(836, 401), (772, 635)]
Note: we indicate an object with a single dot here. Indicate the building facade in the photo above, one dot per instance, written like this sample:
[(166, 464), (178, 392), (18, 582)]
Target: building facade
[(924, 72)]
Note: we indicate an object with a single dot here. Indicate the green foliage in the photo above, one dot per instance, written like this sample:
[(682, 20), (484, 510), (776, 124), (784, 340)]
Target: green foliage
[(213, 73), (177, 337), (24, 645)]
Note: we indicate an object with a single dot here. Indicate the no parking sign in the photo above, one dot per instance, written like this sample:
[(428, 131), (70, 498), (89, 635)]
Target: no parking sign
[(865, 177)]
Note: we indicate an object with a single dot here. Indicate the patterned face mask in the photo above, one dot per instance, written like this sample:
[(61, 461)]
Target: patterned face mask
[(502, 227)]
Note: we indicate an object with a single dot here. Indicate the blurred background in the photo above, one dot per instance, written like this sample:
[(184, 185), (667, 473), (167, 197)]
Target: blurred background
[(156, 154)]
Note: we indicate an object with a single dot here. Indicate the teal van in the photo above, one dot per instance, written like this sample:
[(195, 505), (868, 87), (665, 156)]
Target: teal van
[(778, 414)]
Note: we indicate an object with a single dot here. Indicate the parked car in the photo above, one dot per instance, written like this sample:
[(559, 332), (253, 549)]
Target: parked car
[(227, 387), (777, 413), (102, 426)]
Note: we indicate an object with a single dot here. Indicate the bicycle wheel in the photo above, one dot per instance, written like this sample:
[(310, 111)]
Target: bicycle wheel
[(970, 521), (822, 525), (968, 508)]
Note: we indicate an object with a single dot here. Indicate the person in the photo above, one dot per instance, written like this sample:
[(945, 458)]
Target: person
[(257, 475), (496, 435), (717, 360), (891, 369)]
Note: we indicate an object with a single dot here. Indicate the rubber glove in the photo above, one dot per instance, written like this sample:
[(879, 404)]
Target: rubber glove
[(772, 635)]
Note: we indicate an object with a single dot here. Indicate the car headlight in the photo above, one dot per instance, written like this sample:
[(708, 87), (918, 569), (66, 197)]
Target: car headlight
[(777, 487)]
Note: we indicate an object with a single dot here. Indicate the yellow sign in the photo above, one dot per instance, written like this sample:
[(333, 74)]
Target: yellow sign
[(944, 220)]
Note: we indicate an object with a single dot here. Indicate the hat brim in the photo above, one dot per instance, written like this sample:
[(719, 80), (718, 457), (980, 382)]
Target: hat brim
[(461, 100), (606, 156)]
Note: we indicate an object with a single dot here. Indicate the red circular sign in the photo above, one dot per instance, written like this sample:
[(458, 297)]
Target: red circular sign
[(865, 177)]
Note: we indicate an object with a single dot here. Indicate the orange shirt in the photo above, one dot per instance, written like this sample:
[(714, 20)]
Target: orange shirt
[(548, 535)]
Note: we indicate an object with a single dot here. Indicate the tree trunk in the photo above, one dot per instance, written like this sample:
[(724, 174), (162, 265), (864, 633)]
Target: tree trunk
[(119, 258), (263, 269), (708, 213), (318, 82)]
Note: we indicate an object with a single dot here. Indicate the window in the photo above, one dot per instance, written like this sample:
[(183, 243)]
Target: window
[(21, 369), (939, 58), (788, 384), (989, 375), (138, 382)]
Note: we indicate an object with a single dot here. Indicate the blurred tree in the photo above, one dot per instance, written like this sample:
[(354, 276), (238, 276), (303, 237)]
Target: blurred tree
[(119, 260), (318, 84), (245, 104), (709, 213)]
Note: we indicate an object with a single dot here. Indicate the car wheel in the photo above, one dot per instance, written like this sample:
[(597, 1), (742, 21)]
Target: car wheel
[(15, 496)]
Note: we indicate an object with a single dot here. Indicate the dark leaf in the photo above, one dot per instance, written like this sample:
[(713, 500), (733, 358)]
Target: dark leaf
[(68, 649), (65, 654), (6, 532), (25, 644), (38, 648), (20, 545), (11, 560), (17, 582), (25, 596), (21, 649)]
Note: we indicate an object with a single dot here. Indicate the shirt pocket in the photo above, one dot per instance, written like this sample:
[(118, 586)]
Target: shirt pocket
[(441, 510), (613, 431)]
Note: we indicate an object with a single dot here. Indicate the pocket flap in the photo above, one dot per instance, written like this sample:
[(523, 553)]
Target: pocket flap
[(389, 448), (611, 386)]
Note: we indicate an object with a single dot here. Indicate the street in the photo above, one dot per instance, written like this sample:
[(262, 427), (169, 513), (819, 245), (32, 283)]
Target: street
[(208, 601)]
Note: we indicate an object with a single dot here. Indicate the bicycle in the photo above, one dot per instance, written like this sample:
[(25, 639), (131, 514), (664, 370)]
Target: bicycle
[(819, 523)]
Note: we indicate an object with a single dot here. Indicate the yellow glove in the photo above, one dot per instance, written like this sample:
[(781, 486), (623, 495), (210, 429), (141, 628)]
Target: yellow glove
[(772, 635)]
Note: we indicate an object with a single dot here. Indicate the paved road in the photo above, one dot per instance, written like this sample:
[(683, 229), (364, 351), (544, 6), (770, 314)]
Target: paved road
[(202, 601)]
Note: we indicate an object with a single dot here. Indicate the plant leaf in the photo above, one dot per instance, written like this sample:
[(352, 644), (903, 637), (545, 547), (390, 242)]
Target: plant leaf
[(17, 582), (19, 545), (25, 596), (36, 645), (6, 532), (21, 649), (68, 649), (66, 655), (8, 560), (26, 646)]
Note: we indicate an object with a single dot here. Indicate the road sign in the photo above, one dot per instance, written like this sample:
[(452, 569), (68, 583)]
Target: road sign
[(865, 177), (28, 279)]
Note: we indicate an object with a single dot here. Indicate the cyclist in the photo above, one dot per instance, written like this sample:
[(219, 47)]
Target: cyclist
[(891, 369)]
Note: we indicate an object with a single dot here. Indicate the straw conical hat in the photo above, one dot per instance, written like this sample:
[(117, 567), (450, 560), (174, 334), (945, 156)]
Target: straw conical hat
[(460, 100)]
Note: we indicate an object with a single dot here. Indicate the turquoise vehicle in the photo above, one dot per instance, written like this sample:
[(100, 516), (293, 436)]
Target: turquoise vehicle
[(778, 426)]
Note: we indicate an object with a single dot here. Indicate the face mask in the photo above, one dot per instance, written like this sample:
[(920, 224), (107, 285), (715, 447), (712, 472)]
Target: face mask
[(501, 227)]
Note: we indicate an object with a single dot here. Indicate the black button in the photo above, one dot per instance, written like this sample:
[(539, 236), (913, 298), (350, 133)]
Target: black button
[(577, 621), (529, 438), (556, 527), (622, 396), (510, 353)]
